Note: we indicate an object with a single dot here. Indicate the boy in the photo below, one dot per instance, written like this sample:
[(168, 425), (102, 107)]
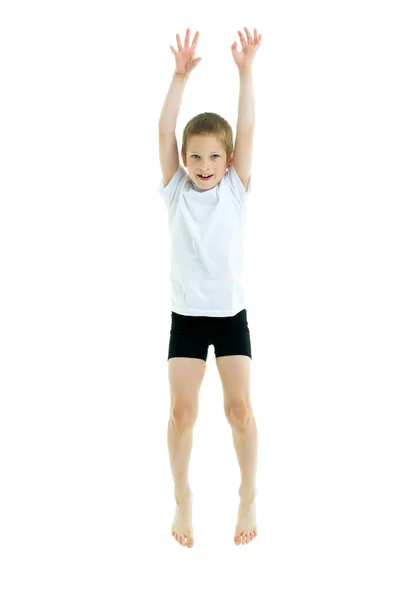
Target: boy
[(206, 210)]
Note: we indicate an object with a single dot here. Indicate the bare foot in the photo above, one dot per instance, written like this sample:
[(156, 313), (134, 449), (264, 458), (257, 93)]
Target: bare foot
[(246, 526), (182, 526)]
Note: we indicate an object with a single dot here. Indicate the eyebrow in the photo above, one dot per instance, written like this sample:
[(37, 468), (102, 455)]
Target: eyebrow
[(212, 152)]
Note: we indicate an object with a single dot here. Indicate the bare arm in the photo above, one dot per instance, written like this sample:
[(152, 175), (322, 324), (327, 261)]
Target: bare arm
[(243, 152), (246, 109), (172, 103), (168, 145)]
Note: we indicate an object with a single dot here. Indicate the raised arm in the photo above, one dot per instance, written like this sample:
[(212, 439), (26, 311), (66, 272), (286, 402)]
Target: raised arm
[(243, 151), (168, 145), (167, 142)]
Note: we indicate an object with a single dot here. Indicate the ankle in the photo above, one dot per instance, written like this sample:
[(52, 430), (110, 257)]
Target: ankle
[(182, 493), (247, 493)]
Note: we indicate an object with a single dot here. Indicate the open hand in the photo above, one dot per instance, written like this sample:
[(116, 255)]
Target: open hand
[(245, 58), (185, 61)]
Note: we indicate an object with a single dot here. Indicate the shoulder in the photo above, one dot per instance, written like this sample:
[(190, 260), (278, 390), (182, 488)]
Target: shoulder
[(233, 180), (174, 187)]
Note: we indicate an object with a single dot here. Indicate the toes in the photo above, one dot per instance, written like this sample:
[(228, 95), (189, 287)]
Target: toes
[(183, 540), (245, 538), (252, 534)]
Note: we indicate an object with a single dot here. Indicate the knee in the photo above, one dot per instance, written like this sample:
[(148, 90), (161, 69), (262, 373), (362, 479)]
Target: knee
[(182, 416), (239, 414)]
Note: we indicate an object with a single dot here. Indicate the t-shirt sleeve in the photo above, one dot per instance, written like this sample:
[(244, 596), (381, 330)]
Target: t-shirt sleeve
[(236, 183), (174, 187)]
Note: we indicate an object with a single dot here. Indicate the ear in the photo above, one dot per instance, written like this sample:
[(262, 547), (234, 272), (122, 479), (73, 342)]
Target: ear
[(183, 159), (230, 160)]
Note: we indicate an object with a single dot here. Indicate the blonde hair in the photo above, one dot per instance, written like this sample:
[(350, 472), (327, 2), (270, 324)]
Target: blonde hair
[(209, 123)]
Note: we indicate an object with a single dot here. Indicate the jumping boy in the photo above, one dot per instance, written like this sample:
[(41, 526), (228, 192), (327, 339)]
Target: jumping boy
[(206, 209)]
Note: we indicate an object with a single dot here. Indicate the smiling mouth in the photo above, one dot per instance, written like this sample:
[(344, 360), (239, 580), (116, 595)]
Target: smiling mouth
[(204, 178)]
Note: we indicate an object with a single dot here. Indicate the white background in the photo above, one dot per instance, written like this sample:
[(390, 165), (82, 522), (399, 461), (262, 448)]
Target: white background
[(86, 490)]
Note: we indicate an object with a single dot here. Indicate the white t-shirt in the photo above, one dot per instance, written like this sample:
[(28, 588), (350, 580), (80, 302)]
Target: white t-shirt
[(207, 234)]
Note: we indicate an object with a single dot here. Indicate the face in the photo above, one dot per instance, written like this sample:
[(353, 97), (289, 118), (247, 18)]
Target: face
[(206, 156)]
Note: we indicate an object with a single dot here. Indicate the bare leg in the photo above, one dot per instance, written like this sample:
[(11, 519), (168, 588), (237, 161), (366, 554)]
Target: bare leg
[(245, 440), (185, 377), (180, 442)]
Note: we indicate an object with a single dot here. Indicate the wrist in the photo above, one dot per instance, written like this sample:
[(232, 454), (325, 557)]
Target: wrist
[(181, 75), (245, 72)]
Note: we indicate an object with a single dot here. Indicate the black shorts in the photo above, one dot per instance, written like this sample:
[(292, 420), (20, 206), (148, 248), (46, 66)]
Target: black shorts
[(191, 336)]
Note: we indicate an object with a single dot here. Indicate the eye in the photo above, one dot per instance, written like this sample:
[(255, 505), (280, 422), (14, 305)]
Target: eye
[(195, 155)]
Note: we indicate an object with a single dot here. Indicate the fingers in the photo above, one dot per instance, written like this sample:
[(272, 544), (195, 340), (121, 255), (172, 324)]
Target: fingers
[(250, 42), (242, 40), (257, 37), (248, 34), (196, 37), (187, 39)]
